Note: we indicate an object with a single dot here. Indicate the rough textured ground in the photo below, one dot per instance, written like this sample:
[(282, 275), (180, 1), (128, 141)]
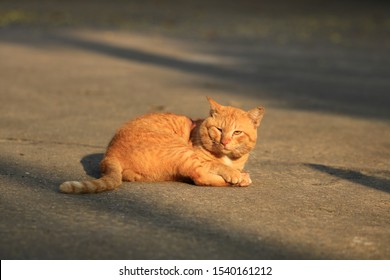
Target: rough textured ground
[(70, 74)]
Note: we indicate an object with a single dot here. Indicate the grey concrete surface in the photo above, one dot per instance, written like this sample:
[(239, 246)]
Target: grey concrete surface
[(321, 168)]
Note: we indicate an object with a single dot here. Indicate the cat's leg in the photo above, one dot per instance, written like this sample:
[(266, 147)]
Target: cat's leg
[(231, 175), (131, 176), (202, 177), (219, 175)]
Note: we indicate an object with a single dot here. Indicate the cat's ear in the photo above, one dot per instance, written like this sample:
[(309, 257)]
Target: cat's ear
[(215, 108), (256, 115)]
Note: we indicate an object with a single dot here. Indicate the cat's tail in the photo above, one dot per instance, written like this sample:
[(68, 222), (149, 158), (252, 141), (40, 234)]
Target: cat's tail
[(111, 179)]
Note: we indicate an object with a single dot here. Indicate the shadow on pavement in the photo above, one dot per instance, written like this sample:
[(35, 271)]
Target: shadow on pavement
[(91, 163), (63, 237), (91, 167), (341, 82), (358, 177)]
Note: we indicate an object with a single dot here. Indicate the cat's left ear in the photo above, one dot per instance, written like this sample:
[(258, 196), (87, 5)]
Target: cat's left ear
[(215, 108), (256, 115)]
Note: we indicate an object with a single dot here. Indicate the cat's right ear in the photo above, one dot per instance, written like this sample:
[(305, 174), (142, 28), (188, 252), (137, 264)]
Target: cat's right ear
[(215, 108), (256, 115)]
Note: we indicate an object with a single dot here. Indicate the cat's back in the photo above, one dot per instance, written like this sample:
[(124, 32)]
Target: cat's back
[(152, 145), (159, 123), (151, 131)]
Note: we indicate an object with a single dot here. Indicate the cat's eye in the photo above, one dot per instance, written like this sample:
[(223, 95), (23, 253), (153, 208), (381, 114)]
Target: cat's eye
[(237, 132), (219, 129)]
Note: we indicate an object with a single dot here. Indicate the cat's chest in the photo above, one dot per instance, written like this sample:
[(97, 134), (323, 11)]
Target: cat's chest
[(227, 161), (236, 164)]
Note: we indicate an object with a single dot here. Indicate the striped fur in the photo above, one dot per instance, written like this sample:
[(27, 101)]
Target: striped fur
[(169, 147), (111, 179)]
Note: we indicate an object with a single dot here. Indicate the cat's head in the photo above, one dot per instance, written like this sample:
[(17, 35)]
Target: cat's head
[(230, 131)]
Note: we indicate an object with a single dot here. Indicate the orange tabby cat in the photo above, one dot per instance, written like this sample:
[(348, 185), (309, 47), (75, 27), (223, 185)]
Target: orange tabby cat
[(168, 147)]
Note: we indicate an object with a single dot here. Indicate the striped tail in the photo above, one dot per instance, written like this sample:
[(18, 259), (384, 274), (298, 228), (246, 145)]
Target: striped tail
[(111, 179)]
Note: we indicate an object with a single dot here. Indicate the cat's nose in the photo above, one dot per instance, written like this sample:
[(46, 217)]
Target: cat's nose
[(225, 141)]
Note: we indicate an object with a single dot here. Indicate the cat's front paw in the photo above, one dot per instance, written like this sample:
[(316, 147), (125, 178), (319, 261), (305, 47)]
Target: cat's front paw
[(237, 178), (245, 180), (232, 177)]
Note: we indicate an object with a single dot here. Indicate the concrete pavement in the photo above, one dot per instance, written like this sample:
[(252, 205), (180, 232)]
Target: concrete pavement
[(321, 169)]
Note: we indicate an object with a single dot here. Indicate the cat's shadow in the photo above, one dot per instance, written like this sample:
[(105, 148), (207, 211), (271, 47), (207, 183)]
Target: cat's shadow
[(91, 164)]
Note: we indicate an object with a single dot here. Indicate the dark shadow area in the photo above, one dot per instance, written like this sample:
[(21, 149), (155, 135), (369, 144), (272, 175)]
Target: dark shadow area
[(224, 242), (370, 181), (71, 238), (341, 82), (91, 164), (296, 79)]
